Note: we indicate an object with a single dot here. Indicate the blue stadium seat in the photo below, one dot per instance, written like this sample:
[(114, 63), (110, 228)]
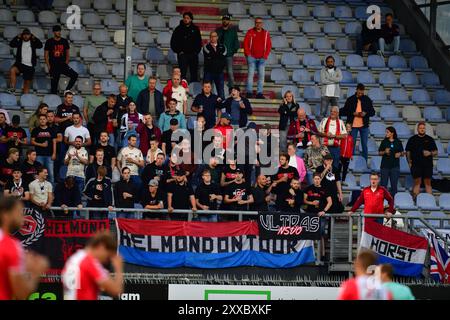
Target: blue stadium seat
[(343, 44), (353, 28), (10, 32), (89, 53), (47, 18), (311, 60), (411, 113), (163, 38), (342, 12), (5, 51), (404, 201), (8, 100), (136, 54), (322, 12), (118, 69), (174, 22), (25, 17), (365, 77), (113, 20), (155, 55), (388, 79), (443, 166), (301, 44), (302, 76), (332, 27), (375, 163), (444, 201), (144, 6), (61, 4), (280, 43), (171, 57), (91, 19), (347, 77), (52, 100), (290, 59), (426, 201), (300, 11), (272, 60), (111, 54), (355, 61), (195, 88), (42, 85), (246, 24), (358, 164), (404, 167), (377, 94), (138, 22), (167, 7), (110, 86), (280, 11), (399, 95), (442, 97), (418, 63), (294, 91), (350, 180), (279, 76), (29, 101), (415, 222), (372, 147), (441, 150), (322, 44), (236, 9), (421, 96), (360, 13), (6, 17), (317, 76), (397, 62), (85, 85), (364, 180), (403, 131), (407, 45), (307, 108), (430, 79), (156, 22), (311, 27), (433, 114), (377, 129), (258, 10), (78, 101), (409, 79), (311, 93), (98, 69), (144, 37), (101, 36), (2, 82), (271, 26), (290, 26), (83, 4), (102, 6), (438, 223)]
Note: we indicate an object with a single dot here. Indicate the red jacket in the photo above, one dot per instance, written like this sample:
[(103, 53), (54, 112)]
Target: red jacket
[(144, 139), (257, 44), (295, 128), (226, 138), (374, 201), (347, 147)]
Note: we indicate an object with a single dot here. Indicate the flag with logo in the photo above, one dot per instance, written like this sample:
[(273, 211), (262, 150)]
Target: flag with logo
[(405, 252)]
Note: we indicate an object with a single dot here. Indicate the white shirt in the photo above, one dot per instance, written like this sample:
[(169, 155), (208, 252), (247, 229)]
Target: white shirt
[(39, 190), (330, 88), (26, 53), (75, 167), (135, 154), (72, 132), (331, 129), (180, 95), (293, 162), (150, 158)]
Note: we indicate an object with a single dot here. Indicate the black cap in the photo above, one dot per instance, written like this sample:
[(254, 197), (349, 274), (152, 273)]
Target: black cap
[(238, 170), (56, 28), (180, 172), (26, 31), (15, 119), (173, 122), (226, 17)]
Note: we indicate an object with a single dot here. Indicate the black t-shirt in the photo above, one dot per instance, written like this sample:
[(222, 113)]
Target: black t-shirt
[(151, 171), (202, 194), (15, 132), (57, 50), (316, 193), (259, 197), (98, 193), (63, 111), (235, 190), (230, 174), (29, 171), (108, 150), (6, 169), (167, 139), (41, 136), (20, 188), (282, 187), (148, 199), (180, 195), (416, 145), (329, 181), (282, 200)]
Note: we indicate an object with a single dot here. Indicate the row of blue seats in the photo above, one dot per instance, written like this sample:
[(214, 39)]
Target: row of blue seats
[(424, 201)]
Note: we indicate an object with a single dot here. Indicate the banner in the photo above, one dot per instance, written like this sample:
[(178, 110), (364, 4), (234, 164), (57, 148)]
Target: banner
[(289, 225), (405, 252), (31, 234), (439, 257), (63, 237), (170, 244)]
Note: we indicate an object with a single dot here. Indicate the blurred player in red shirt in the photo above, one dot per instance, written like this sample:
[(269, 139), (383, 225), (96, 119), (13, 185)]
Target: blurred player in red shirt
[(19, 270), (84, 276), (365, 285)]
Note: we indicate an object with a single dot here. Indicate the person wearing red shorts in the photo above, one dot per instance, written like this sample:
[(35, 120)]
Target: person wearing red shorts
[(19, 270), (84, 276)]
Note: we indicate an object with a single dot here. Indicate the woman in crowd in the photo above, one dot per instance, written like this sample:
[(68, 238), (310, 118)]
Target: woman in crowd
[(33, 122), (288, 112), (129, 121), (391, 149)]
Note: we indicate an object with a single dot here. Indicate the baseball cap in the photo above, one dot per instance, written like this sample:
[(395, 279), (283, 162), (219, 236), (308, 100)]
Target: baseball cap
[(226, 17), (153, 183), (173, 122), (251, 125), (26, 31), (225, 115), (15, 119), (56, 28), (180, 172), (238, 170)]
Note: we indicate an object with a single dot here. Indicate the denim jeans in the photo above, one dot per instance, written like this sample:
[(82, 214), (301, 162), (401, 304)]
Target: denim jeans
[(252, 65), (394, 45), (136, 180), (335, 153), (47, 162), (300, 152), (325, 103), (80, 183), (230, 72), (364, 134), (392, 175), (218, 79), (207, 218)]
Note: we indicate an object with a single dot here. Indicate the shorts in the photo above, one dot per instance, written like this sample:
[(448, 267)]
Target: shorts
[(424, 172), (27, 71)]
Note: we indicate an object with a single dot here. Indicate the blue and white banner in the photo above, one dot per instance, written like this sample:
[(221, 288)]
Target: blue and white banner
[(170, 244)]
